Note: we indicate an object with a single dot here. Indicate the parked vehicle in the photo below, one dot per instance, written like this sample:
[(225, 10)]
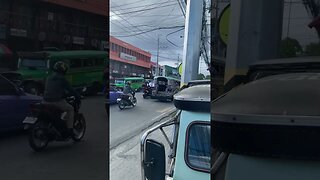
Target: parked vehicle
[(45, 124), (86, 69), (190, 146), (14, 105), (136, 83), (124, 101), (165, 88), (114, 94)]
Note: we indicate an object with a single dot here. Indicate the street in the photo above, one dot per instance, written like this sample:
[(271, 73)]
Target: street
[(61, 160), (126, 129), (125, 124)]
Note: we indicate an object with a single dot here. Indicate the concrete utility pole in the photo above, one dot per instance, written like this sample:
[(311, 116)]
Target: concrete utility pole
[(157, 70), (192, 40), (254, 34)]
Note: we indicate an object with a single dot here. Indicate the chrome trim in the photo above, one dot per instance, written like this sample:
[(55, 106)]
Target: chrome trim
[(143, 140)]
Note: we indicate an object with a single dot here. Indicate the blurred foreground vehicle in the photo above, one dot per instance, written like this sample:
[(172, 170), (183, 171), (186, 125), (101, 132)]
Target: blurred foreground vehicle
[(14, 105), (190, 151), (269, 128)]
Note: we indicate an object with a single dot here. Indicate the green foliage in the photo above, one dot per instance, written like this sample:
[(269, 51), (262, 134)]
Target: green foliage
[(201, 76), (313, 49), (290, 48), (208, 77)]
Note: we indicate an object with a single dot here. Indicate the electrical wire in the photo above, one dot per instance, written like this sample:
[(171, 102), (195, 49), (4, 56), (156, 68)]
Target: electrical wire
[(150, 31), (173, 33)]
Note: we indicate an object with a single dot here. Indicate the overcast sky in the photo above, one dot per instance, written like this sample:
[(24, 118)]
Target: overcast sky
[(134, 17)]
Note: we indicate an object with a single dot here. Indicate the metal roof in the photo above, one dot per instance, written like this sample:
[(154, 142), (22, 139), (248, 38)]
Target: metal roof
[(296, 94), (195, 98)]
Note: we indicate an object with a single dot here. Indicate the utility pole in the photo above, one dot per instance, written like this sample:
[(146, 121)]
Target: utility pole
[(157, 71), (289, 17), (192, 41)]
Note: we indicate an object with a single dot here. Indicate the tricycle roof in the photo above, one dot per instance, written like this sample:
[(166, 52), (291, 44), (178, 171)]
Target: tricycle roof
[(195, 98)]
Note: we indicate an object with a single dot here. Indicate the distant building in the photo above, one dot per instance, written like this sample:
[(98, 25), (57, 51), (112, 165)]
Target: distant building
[(170, 71), (154, 69), (65, 24), (127, 60)]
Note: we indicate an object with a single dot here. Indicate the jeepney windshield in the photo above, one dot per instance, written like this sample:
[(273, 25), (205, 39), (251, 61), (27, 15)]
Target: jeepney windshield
[(119, 81), (198, 146), (33, 63)]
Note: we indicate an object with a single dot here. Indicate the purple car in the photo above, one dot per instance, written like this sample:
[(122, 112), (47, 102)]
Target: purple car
[(113, 95), (14, 105)]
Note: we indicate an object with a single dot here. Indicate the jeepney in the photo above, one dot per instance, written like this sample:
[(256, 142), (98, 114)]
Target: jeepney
[(165, 88), (189, 146)]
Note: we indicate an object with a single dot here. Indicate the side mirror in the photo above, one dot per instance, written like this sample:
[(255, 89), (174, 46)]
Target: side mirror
[(20, 91), (154, 160)]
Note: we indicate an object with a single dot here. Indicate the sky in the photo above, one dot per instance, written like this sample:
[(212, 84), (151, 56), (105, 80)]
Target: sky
[(135, 21)]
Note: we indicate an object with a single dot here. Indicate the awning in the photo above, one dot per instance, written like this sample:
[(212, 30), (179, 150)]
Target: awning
[(4, 50)]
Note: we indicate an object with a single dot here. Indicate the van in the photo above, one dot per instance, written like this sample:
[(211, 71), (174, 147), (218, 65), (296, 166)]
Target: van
[(85, 69), (189, 145)]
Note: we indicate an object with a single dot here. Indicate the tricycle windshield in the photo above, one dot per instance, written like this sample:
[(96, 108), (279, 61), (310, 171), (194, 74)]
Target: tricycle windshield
[(198, 146)]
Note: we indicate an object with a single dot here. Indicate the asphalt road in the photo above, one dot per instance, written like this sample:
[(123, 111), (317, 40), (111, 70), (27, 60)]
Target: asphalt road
[(127, 123), (61, 160)]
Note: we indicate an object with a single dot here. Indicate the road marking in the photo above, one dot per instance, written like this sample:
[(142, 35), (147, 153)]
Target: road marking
[(164, 110)]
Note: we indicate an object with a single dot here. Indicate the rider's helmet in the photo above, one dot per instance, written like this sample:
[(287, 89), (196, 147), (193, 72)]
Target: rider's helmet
[(128, 83), (60, 67)]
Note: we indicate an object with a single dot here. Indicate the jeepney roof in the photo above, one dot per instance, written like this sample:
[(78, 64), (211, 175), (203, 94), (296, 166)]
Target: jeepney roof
[(70, 53), (295, 94), (195, 98)]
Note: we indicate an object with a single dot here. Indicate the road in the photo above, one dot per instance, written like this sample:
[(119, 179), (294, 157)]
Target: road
[(62, 160), (127, 123), (126, 129)]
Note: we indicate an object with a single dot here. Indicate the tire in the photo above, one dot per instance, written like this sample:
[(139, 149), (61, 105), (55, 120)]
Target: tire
[(38, 131), (134, 102), (121, 105), (79, 128), (144, 96)]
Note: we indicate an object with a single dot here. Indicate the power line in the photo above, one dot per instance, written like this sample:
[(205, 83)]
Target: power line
[(130, 12), (173, 33), (151, 31), (147, 5), (126, 4)]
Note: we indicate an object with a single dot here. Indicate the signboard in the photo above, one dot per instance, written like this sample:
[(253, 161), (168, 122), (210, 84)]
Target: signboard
[(223, 24), (78, 40), (18, 32), (180, 69), (127, 57), (3, 30)]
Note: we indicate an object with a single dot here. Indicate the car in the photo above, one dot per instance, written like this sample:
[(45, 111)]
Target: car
[(114, 93), (14, 105)]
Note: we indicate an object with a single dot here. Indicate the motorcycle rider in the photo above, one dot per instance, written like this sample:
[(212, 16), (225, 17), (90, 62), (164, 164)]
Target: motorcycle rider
[(55, 89), (127, 90)]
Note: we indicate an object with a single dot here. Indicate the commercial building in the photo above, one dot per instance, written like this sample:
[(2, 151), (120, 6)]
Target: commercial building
[(127, 60), (65, 24), (154, 69), (170, 71)]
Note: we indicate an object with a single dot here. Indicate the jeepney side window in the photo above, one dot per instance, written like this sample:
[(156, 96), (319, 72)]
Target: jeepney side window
[(197, 153)]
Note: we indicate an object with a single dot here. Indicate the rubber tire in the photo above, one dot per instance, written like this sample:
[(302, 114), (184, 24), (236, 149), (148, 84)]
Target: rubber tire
[(31, 140), (144, 96), (121, 105), (77, 139)]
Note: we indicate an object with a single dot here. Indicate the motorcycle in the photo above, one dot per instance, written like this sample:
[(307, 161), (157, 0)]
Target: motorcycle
[(46, 124), (124, 101), (147, 91)]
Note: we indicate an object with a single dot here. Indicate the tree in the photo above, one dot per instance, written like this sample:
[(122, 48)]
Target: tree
[(201, 76), (208, 77), (313, 49), (290, 48)]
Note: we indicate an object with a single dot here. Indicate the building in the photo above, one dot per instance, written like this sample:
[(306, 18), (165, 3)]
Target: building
[(73, 24), (153, 67), (127, 60), (169, 71)]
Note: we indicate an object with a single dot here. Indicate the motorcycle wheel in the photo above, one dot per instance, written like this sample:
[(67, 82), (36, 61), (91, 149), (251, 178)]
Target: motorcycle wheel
[(121, 105), (144, 96), (134, 101), (79, 128), (38, 137)]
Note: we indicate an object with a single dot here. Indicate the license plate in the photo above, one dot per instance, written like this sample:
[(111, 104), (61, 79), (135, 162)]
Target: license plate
[(30, 120)]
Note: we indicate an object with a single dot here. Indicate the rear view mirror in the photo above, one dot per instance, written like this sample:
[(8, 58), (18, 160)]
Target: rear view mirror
[(154, 164)]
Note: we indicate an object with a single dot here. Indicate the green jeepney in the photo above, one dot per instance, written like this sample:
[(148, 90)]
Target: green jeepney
[(136, 82), (86, 69)]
